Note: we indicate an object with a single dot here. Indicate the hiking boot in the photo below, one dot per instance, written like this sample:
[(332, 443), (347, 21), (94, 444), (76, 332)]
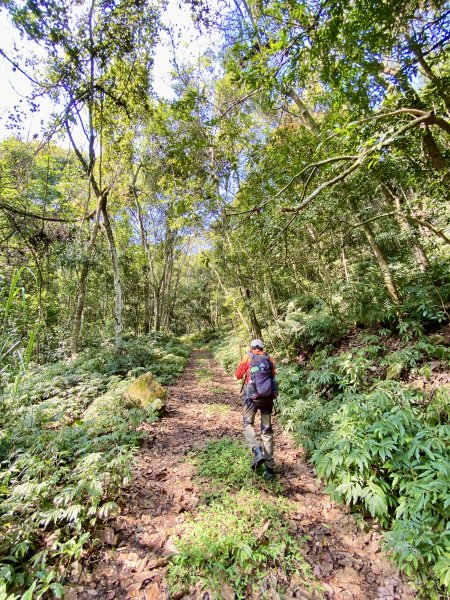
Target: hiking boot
[(258, 459), (269, 472)]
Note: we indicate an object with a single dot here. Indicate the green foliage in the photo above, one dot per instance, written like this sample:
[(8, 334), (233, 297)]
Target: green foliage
[(326, 200), (316, 326), (228, 351), (222, 545), (224, 463), (240, 536), (16, 347), (201, 338), (92, 371), (61, 469), (380, 444)]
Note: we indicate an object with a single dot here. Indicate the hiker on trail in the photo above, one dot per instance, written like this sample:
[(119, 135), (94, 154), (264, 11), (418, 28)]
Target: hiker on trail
[(258, 373)]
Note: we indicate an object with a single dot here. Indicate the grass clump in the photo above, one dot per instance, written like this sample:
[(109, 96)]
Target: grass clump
[(225, 463), (216, 409), (239, 540), (204, 375), (218, 389), (239, 536)]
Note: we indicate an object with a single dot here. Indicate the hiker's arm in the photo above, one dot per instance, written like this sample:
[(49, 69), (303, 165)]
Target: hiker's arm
[(241, 370)]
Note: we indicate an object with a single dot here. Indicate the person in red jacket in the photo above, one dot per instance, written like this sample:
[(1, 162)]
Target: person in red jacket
[(262, 450)]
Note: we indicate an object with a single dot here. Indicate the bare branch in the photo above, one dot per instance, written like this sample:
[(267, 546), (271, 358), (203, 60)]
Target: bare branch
[(313, 166), (376, 218), (421, 222), (237, 102), (24, 213), (18, 68), (326, 185), (359, 160)]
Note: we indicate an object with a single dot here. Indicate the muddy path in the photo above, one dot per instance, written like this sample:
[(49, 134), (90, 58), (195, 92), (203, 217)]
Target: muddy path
[(347, 561)]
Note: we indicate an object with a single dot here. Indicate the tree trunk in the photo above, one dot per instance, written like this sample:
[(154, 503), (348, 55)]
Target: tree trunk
[(148, 268), (146, 302), (410, 231), (157, 309), (256, 328), (272, 300), (435, 155), (236, 306), (216, 312), (305, 115), (345, 264), (118, 308), (82, 285), (382, 262), (167, 279)]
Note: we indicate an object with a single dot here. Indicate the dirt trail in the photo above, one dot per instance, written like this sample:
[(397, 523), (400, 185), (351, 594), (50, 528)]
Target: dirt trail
[(348, 562)]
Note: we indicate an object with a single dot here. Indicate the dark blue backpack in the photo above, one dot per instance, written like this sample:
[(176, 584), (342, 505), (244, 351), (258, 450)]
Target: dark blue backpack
[(261, 387)]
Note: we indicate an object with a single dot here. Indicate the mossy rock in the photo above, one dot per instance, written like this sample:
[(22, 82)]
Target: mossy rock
[(146, 392)]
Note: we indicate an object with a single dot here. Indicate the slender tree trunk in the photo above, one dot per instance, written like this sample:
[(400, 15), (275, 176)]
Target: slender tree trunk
[(410, 231), (118, 308), (306, 117), (344, 261), (173, 298), (247, 297), (167, 279), (148, 268), (157, 309), (382, 262), (245, 294), (88, 167), (236, 306), (216, 312), (146, 318), (345, 264), (435, 155), (82, 285), (272, 300)]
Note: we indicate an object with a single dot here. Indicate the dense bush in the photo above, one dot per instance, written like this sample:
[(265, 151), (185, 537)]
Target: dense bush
[(61, 469), (379, 441)]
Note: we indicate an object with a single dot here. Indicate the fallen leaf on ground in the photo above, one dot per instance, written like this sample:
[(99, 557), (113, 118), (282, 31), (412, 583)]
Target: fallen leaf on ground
[(152, 592), (259, 533), (107, 536)]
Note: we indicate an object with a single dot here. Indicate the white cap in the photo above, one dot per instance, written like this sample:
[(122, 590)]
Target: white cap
[(256, 344)]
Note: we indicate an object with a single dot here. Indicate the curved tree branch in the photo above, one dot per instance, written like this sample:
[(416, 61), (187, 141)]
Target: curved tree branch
[(24, 213)]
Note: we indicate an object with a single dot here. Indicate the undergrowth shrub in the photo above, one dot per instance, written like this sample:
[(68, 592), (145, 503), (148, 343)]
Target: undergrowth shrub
[(229, 352), (381, 443), (309, 328), (202, 337), (62, 465)]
